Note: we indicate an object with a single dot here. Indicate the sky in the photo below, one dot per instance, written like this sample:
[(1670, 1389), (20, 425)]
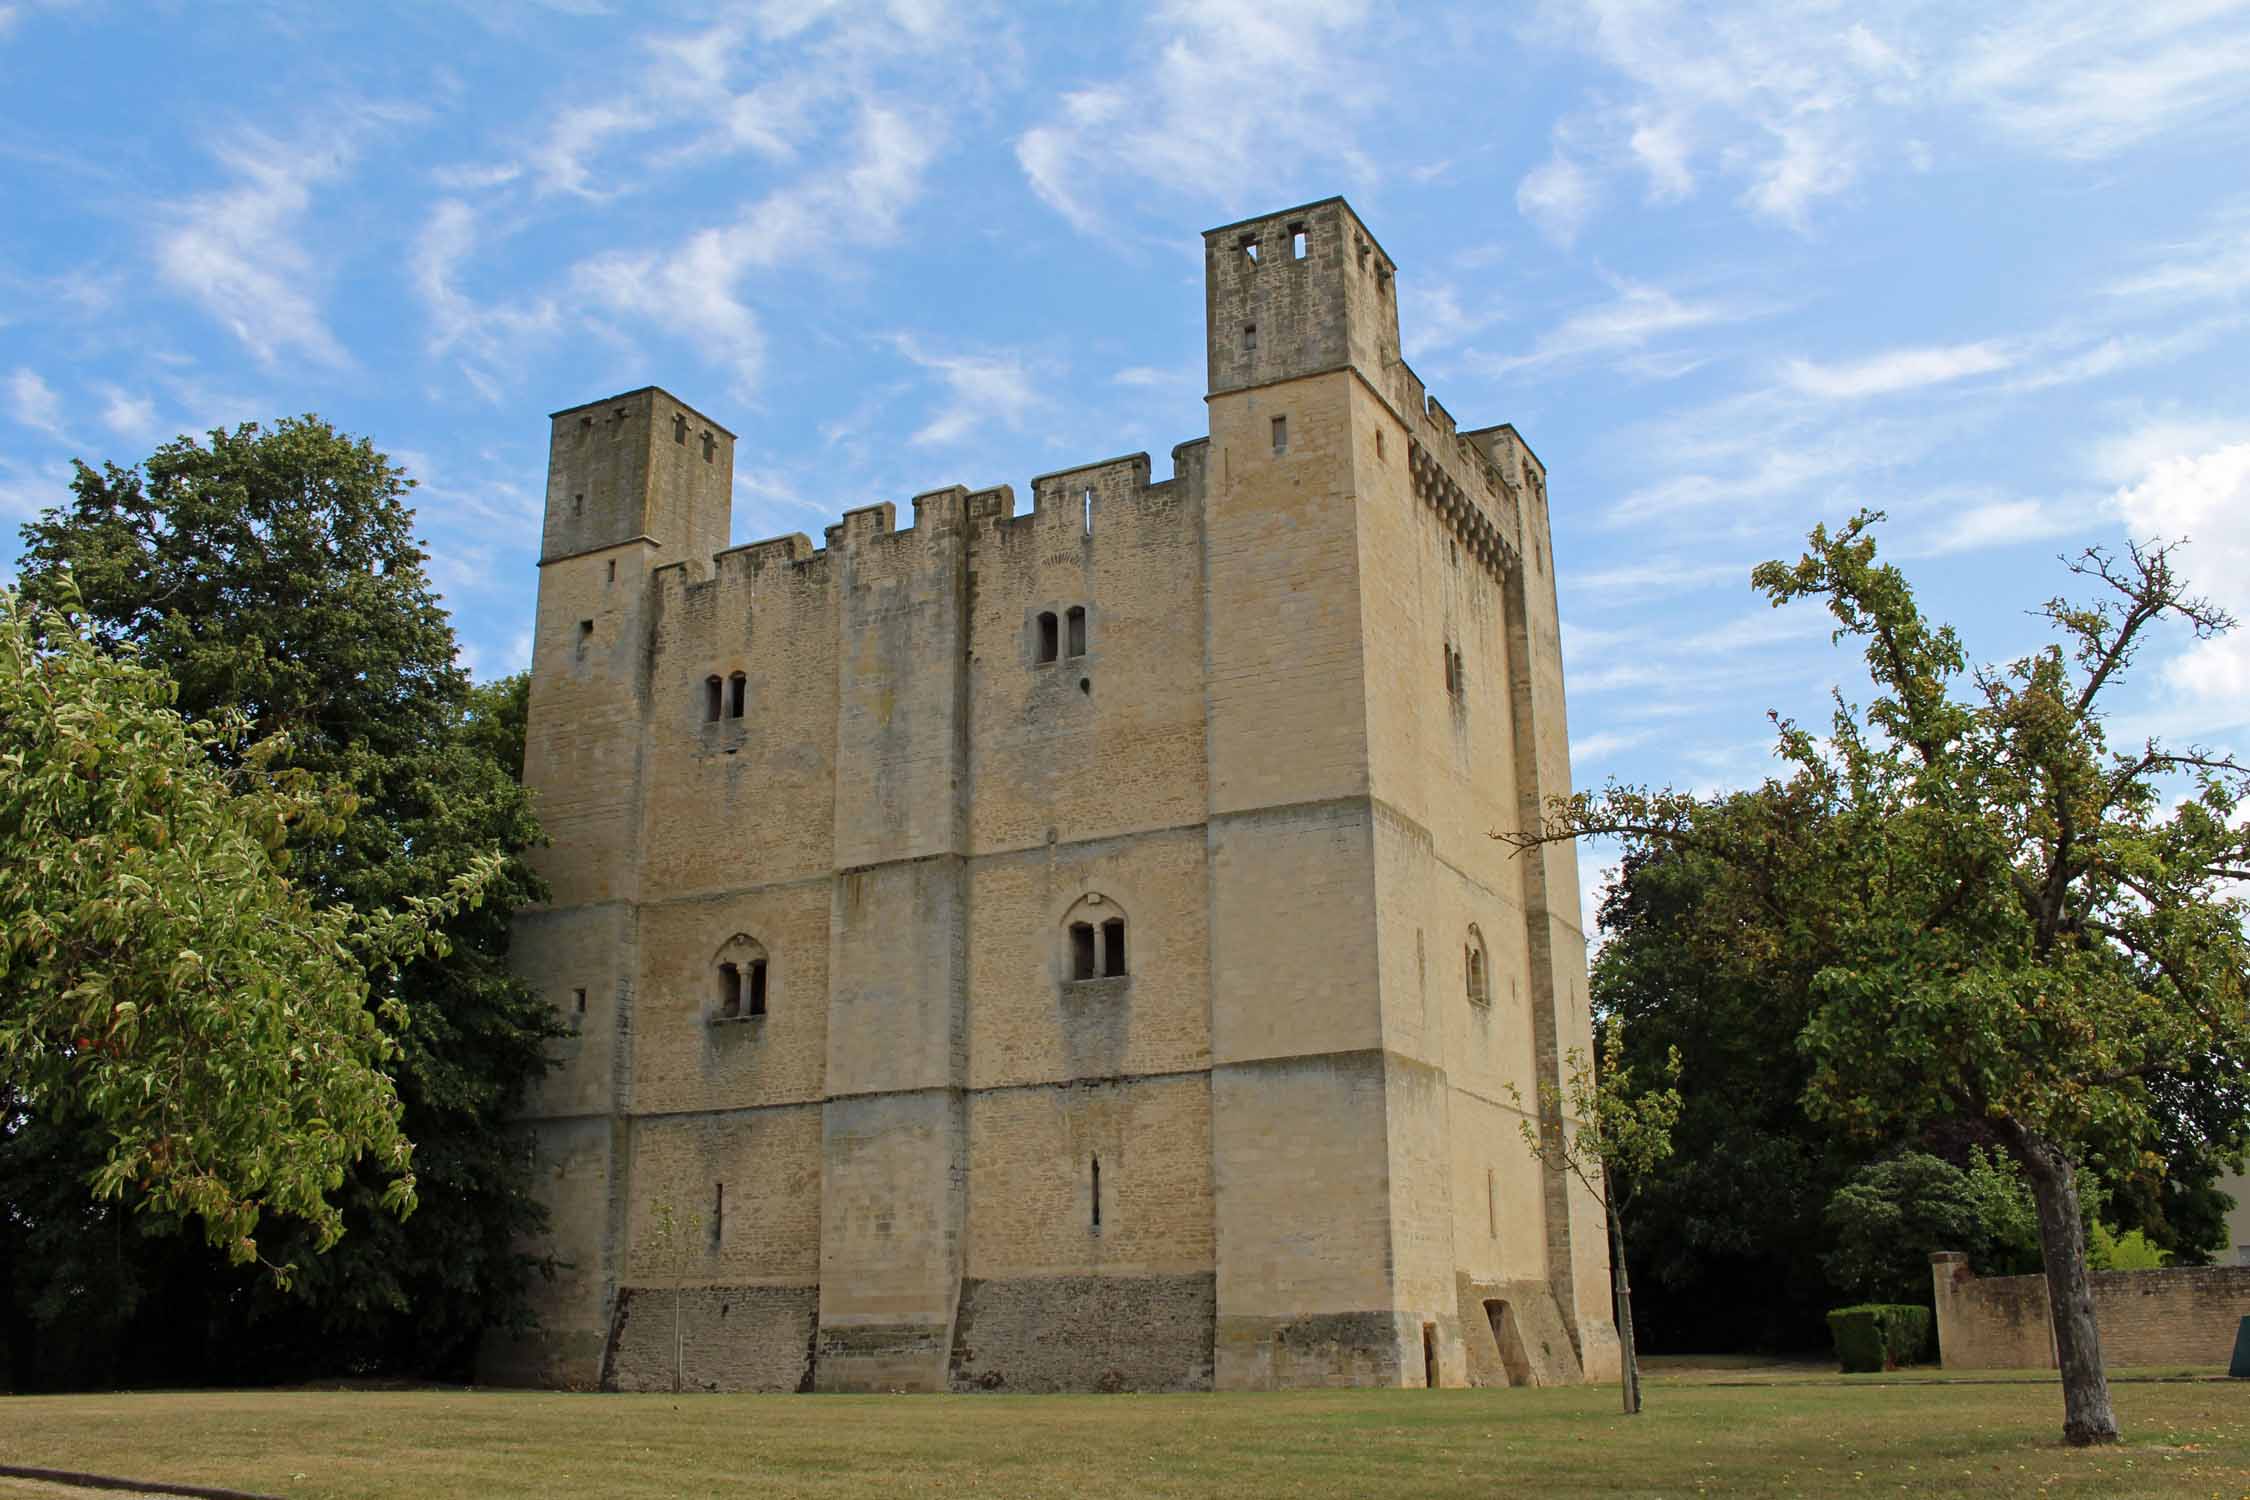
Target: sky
[(1731, 268)]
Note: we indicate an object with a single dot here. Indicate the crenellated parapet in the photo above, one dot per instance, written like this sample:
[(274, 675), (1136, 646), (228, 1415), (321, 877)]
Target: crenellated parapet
[(1474, 483), (730, 592)]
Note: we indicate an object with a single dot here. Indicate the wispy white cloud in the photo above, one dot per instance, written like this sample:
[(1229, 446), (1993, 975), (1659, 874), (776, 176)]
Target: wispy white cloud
[(1893, 371), (1589, 750), (1795, 103), (1988, 524), (128, 416), (1765, 626), (25, 491), (1557, 196), (693, 290), (1227, 95), (2085, 79), (236, 252), (980, 389), (488, 339), (2204, 497), (1150, 377), (33, 403), (1632, 583), (1637, 315), (2214, 265)]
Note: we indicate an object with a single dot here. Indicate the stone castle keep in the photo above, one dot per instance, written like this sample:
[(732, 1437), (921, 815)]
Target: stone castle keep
[(1062, 950)]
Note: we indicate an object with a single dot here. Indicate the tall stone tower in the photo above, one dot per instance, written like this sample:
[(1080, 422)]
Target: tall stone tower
[(1062, 950)]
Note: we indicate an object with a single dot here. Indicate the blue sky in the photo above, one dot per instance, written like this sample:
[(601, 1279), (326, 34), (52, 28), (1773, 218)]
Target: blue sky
[(1731, 268)]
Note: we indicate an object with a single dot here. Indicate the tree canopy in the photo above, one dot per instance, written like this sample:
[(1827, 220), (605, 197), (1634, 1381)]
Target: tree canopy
[(160, 976), (2004, 919), (273, 573)]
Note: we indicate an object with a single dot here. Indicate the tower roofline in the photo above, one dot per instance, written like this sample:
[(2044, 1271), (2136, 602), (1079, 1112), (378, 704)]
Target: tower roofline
[(1510, 429), (642, 390), (1282, 213)]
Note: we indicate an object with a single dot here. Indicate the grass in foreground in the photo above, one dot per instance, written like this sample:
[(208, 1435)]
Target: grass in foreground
[(1800, 1438)]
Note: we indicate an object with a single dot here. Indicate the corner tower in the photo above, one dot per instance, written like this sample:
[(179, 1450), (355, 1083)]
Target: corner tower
[(1384, 688), (633, 482)]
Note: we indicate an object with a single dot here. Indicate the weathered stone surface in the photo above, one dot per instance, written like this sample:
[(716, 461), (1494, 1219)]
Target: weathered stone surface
[(720, 1338), (2180, 1315), (1085, 1333), (1249, 723)]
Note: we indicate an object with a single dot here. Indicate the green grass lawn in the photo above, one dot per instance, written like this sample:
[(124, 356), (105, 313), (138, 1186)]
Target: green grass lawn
[(1800, 1434)]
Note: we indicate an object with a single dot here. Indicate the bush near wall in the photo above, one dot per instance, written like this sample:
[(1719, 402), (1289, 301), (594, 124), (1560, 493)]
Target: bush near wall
[(1881, 1335)]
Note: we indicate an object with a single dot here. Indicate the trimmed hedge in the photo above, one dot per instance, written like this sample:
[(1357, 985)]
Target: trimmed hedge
[(1881, 1335)]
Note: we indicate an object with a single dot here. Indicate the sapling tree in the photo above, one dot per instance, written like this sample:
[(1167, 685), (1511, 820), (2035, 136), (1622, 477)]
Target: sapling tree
[(2005, 920), (1610, 1136)]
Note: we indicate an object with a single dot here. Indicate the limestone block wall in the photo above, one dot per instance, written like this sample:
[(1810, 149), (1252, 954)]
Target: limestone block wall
[(1292, 689), (2181, 1315)]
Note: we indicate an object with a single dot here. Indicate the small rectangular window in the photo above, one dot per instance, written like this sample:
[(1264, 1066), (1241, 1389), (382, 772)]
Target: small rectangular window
[(679, 429), (1249, 338), (578, 505), (1097, 1192), (730, 992), (718, 1213), (737, 688), (1113, 947), (1077, 619), (710, 446), (757, 987), (1296, 242), (711, 699), (613, 570), (1050, 635), (1378, 442), (1082, 950), (1281, 434)]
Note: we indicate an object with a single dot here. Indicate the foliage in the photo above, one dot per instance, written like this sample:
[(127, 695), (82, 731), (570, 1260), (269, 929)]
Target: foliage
[(160, 978), (1600, 1123), (273, 573), (1725, 1240), (1886, 1220), (2107, 1250), (2007, 921), (1881, 1335), (1601, 1129)]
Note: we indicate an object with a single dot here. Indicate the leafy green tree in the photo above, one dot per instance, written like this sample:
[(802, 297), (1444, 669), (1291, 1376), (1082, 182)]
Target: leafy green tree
[(1886, 1220), (1725, 1240), (1609, 1134), (274, 573), (2010, 922), (161, 979)]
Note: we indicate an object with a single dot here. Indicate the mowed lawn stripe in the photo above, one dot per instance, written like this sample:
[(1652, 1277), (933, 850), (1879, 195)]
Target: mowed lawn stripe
[(1805, 1438)]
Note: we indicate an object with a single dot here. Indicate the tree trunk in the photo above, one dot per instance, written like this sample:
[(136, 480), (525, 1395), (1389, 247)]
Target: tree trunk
[(1628, 1359), (2087, 1414)]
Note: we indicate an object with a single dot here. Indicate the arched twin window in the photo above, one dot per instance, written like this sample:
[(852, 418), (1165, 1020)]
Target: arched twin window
[(1055, 631), (740, 974), (729, 696), (1097, 940)]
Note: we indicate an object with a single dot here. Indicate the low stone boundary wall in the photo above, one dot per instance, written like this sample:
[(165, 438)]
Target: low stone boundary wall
[(2183, 1315)]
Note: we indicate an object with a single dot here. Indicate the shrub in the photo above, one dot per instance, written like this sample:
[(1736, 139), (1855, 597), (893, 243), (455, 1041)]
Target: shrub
[(1880, 1335), (1886, 1220)]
